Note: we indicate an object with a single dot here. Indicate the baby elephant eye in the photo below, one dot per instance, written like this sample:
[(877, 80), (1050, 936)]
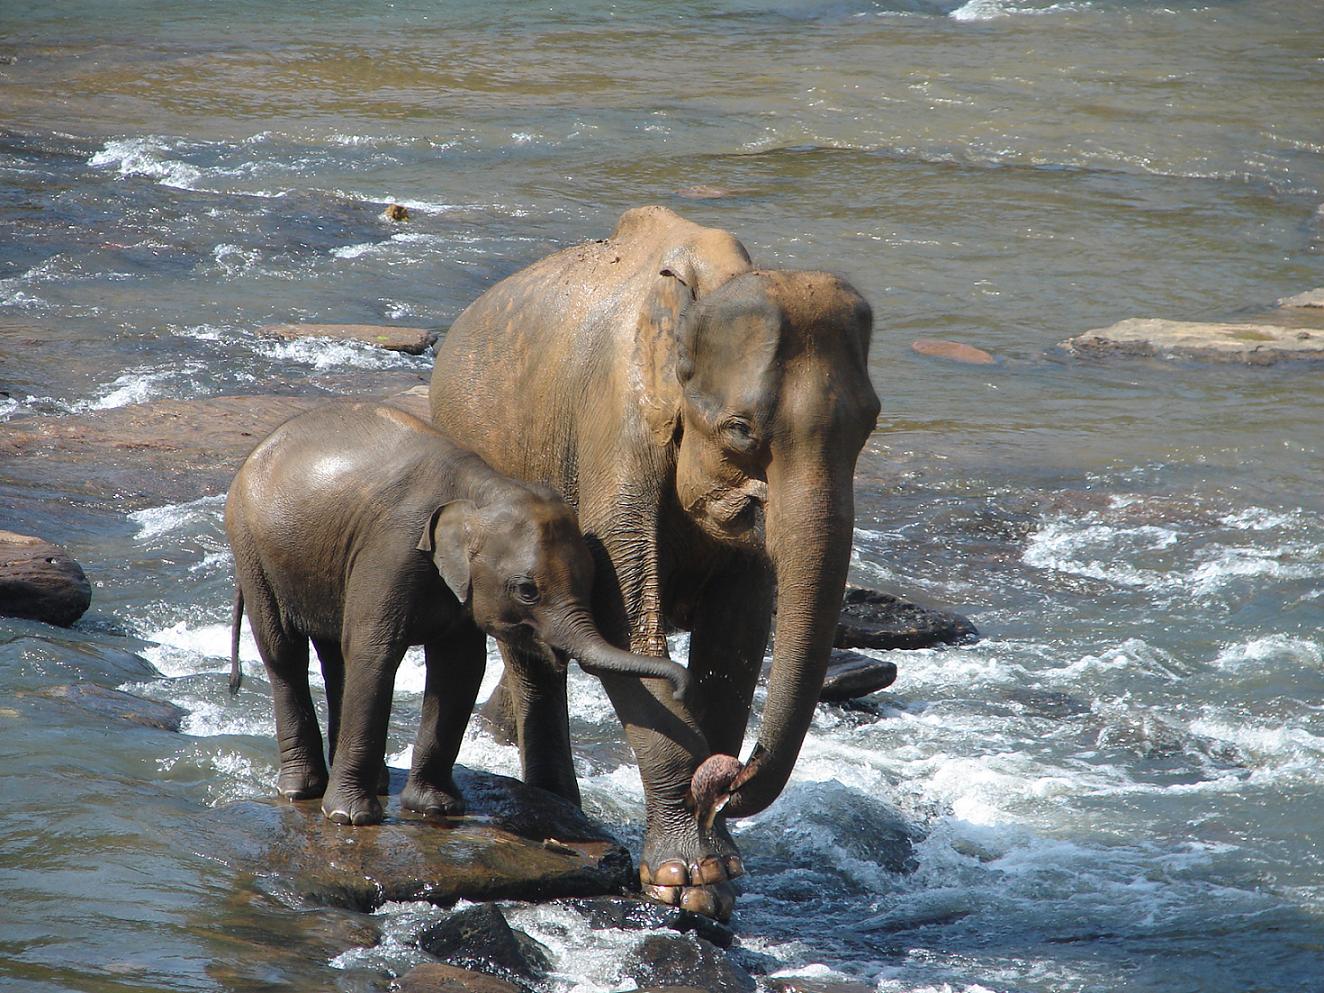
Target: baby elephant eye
[(739, 432), (526, 590)]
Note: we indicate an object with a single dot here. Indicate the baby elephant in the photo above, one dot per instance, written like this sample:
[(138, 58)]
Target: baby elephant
[(365, 530)]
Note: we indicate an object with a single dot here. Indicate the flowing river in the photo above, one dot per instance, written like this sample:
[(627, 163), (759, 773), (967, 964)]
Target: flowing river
[(1120, 788)]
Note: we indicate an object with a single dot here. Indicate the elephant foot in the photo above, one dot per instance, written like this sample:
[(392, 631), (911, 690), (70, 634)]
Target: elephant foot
[(436, 801), (298, 782), (345, 806), (716, 901)]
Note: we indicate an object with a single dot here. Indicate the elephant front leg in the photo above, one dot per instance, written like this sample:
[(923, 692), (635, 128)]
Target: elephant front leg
[(728, 642), (683, 862), (455, 669), (541, 718), (365, 709)]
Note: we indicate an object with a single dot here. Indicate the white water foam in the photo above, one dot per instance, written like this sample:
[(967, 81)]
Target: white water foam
[(154, 522), (140, 385), (988, 10), (147, 157), (327, 353), (1273, 649)]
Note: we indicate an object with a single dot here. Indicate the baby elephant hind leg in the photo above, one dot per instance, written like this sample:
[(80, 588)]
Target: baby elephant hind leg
[(303, 773), (455, 667), (371, 660)]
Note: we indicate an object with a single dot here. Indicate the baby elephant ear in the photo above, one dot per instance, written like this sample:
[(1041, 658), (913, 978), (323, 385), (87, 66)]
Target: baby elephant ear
[(446, 539)]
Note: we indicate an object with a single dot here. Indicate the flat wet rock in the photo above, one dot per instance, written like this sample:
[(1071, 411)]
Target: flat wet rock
[(516, 843), (1249, 344), (164, 450), (118, 705), (871, 619), (413, 341), (851, 675), (41, 581), (1310, 298), (438, 977)]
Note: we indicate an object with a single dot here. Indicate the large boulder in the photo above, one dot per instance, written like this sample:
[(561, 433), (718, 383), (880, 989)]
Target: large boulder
[(851, 675), (116, 705), (516, 842), (41, 581), (1249, 344)]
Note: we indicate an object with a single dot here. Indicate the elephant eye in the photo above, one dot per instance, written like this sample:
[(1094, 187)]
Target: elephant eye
[(525, 590), (739, 433)]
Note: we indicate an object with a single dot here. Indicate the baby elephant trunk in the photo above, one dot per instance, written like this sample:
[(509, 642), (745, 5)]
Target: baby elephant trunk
[(598, 657)]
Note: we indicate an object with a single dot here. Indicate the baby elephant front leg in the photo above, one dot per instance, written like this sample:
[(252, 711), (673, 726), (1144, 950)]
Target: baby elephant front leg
[(454, 673), (365, 708)]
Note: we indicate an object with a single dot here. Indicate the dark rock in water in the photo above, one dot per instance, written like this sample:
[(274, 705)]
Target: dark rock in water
[(870, 619), (851, 675), (434, 977), (631, 914), (480, 938), (40, 581), (515, 843), (395, 212), (118, 705), (686, 960)]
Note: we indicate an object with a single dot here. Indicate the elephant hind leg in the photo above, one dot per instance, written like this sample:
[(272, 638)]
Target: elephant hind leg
[(455, 667), (303, 773), (333, 676)]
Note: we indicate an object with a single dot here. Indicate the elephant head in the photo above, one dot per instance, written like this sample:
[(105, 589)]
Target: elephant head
[(523, 570), (769, 404)]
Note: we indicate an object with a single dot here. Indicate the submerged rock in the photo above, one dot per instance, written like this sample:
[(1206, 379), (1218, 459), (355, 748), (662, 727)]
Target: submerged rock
[(954, 351), (814, 984), (118, 705), (1250, 344), (41, 581), (663, 960), (851, 675), (515, 843), (1310, 298), (436, 977), (870, 619), (633, 914), (480, 938), (413, 341)]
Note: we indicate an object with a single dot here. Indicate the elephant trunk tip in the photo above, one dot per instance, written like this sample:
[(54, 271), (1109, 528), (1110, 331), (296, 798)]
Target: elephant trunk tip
[(711, 786)]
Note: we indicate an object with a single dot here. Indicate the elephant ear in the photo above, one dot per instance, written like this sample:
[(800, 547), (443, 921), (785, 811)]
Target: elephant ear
[(446, 537), (685, 275)]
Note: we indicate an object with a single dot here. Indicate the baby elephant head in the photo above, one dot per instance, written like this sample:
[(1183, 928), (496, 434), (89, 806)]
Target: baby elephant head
[(522, 568)]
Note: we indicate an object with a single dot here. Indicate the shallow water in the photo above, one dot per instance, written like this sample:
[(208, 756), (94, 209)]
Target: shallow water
[(1119, 788)]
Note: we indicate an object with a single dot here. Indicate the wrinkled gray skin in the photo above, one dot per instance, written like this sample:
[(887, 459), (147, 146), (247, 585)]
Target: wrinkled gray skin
[(363, 529), (704, 417)]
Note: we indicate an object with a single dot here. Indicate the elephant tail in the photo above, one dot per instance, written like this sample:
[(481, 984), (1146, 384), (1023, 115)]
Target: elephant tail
[(236, 618)]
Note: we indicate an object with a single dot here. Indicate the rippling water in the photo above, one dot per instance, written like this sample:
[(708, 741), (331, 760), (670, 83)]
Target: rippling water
[(1119, 788)]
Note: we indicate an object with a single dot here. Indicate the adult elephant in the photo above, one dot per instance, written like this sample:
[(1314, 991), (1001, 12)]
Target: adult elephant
[(705, 418)]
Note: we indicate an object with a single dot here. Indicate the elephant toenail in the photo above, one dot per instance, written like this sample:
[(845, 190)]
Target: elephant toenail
[(672, 873), (669, 895), (699, 900), (734, 867), (710, 870), (645, 874)]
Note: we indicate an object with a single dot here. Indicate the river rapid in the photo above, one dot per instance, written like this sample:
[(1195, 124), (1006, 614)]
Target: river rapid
[(1117, 789)]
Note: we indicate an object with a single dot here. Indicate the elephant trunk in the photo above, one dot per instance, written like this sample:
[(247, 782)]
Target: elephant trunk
[(810, 524), (580, 638)]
